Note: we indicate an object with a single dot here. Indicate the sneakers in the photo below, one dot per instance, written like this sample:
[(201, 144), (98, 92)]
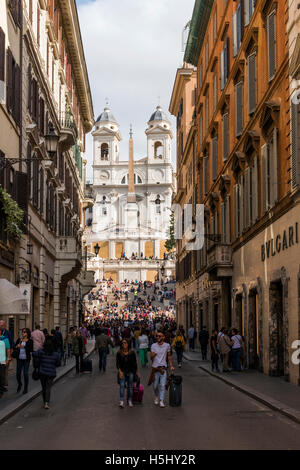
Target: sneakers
[(130, 404), (121, 404), (179, 365), (156, 401), (46, 406), (161, 404)]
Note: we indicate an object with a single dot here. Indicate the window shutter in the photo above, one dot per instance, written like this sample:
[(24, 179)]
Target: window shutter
[(274, 170), (9, 81), (295, 143), (17, 95), (223, 223), (247, 199), (271, 35), (254, 184), (236, 210), (225, 136), (206, 112), (222, 74), (200, 76), (214, 158), (227, 220), (247, 11), (41, 191), (22, 192), (2, 56), (201, 183), (215, 26), (264, 179), (234, 34), (239, 109), (201, 129), (206, 176), (251, 83), (226, 60), (241, 205), (215, 91)]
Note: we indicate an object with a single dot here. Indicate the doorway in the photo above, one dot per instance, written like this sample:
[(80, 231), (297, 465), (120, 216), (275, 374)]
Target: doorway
[(239, 313), (253, 331), (277, 341)]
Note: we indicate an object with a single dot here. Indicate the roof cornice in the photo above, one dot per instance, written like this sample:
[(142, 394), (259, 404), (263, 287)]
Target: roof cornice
[(183, 75), (199, 22), (74, 40)]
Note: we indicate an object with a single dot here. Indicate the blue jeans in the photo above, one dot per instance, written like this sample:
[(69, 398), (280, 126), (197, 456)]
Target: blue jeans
[(162, 380), (102, 358), (23, 364), (236, 359), (69, 349), (129, 379), (179, 353)]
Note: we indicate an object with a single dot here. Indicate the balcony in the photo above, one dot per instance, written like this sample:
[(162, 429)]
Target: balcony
[(219, 262), (68, 257), (69, 132)]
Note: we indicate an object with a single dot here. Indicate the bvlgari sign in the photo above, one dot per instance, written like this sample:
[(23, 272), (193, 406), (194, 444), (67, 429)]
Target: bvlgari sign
[(281, 242)]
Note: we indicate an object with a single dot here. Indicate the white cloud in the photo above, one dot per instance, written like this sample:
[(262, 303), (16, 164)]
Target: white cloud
[(132, 49)]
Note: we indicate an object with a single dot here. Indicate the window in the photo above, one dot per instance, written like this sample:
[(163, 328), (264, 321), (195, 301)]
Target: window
[(41, 190), (13, 97), (251, 178), (224, 64), (295, 143), (249, 6), (215, 26), (2, 65), (15, 9), (207, 53), (123, 180), (104, 152), (271, 39), (215, 90), (200, 75), (214, 158), (238, 29), (158, 150), (252, 88), (207, 111), (206, 174), (239, 118), (201, 129), (225, 136), (225, 220), (269, 172), (238, 193)]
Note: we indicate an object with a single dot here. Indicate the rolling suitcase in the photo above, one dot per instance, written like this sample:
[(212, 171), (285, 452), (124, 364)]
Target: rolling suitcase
[(175, 390), (138, 393), (87, 365)]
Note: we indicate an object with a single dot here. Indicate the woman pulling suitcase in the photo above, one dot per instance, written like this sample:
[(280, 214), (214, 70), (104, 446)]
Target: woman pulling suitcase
[(127, 368)]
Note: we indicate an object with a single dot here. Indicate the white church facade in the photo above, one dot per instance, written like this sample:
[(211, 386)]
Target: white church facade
[(132, 203)]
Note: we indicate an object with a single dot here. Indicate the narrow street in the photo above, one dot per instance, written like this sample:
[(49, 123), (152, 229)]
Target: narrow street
[(84, 414)]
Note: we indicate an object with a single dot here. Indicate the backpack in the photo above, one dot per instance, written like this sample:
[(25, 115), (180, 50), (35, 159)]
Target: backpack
[(178, 346)]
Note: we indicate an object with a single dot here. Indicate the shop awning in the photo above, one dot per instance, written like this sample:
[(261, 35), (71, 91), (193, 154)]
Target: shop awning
[(13, 300)]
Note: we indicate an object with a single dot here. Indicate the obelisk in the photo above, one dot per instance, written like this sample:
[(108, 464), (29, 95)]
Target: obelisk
[(131, 197), (131, 207)]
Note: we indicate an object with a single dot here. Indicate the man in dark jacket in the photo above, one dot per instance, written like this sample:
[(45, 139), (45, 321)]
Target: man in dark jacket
[(102, 344), (203, 340)]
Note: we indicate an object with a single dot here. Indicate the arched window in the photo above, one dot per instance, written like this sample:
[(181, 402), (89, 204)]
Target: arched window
[(123, 180), (158, 150), (104, 152), (137, 179)]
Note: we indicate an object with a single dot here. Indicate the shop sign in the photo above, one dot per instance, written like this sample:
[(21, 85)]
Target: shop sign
[(280, 242)]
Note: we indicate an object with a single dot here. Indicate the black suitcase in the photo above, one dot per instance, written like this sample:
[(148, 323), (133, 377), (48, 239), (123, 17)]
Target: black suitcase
[(175, 390), (87, 365)]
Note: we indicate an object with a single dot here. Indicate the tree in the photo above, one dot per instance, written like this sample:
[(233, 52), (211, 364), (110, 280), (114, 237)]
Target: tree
[(171, 242)]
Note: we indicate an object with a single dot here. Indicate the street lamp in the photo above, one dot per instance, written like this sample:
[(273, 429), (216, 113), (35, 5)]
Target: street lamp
[(96, 249), (51, 141)]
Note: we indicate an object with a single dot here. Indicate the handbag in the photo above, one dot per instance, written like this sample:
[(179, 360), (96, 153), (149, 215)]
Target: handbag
[(15, 353)]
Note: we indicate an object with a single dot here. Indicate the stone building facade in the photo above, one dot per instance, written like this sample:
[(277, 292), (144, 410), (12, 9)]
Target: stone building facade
[(55, 98), (247, 177)]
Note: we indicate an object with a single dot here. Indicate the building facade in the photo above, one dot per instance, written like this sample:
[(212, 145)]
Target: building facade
[(247, 177), (55, 99), (131, 214)]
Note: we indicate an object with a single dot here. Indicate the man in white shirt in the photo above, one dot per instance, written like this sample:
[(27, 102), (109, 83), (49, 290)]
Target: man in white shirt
[(191, 336), (160, 354)]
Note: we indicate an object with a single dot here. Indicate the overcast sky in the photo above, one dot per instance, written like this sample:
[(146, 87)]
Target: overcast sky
[(132, 49)]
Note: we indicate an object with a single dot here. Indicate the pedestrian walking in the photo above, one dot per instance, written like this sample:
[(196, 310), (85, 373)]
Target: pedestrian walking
[(127, 368), (143, 341), (179, 346), (70, 337), (102, 344), (47, 360), (38, 338), (59, 341), (78, 348), (203, 340), (4, 358), (225, 347), (236, 350), (10, 337), (214, 351), (160, 355), (191, 337), (24, 348)]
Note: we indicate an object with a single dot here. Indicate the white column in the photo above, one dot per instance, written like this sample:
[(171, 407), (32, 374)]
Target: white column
[(157, 248)]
